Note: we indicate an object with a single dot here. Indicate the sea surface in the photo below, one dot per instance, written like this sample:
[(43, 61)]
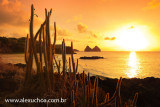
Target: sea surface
[(114, 64)]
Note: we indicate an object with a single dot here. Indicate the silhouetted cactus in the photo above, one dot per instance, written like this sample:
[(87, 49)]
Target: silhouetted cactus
[(72, 99), (95, 92), (79, 90)]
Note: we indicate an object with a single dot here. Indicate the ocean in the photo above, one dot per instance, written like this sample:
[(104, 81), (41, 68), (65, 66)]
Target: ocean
[(114, 64)]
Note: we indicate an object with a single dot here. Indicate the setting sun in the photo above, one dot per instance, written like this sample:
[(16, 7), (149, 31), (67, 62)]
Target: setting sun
[(132, 39)]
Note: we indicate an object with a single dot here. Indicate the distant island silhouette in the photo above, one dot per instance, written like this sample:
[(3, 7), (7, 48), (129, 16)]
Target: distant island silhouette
[(95, 49), (16, 45)]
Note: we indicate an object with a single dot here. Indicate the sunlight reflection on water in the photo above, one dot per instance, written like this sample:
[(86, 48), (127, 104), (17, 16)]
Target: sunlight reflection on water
[(114, 64), (133, 64)]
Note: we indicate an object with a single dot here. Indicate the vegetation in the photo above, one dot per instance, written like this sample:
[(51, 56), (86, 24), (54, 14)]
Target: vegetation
[(46, 83)]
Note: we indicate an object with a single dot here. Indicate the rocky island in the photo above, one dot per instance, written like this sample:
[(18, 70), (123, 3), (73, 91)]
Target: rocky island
[(16, 45), (95, 49)]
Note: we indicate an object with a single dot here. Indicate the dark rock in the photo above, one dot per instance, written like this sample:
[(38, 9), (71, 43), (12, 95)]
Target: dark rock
[(20, 65), (87, 49), (96, 49), (147, 88), (16, 45), (92, 57)]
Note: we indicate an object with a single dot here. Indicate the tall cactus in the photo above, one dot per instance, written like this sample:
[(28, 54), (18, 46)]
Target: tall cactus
[(95, 92), (64, 57), (26, 49)]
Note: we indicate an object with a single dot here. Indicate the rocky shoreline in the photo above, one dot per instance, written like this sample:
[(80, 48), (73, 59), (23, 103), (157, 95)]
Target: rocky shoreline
[(147, 88)]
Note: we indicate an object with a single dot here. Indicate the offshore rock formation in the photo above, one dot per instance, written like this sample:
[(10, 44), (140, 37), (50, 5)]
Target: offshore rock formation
[(95, 49), (87, 49)]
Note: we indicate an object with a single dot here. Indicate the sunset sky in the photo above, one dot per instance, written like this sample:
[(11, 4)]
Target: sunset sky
[(113, 25)]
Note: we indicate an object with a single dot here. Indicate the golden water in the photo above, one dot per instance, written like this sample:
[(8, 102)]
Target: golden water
[(114, 64)]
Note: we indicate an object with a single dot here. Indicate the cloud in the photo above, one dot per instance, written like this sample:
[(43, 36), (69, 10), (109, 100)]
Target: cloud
[(152, 4), (5, 2), (109, 38), (12, 14), (14, 19), (61, 31), (67, 39), (82, 28), (11, 31), (93, 34)]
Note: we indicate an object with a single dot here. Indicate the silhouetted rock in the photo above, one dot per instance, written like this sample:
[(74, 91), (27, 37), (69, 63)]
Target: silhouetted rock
[(16, 45), (20, 65), (87, 49), (96, 49), (92, 57), (12, 45)]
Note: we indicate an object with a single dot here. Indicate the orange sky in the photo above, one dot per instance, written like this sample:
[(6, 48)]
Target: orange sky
[(86, 22)]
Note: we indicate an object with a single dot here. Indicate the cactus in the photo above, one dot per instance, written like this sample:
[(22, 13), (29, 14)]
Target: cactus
[(55, 36), (94, 98), (69, 67), (40, 50), (73, 63), (78, 88), (64, 57), (89, 84), (84, 90), (54, 43), (135, 100), (72, 99), (59, 67), (77, 66), (26, 49), (32, 38)]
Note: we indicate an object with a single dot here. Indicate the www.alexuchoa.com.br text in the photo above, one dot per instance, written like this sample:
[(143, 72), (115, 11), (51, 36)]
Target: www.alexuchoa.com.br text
[(36, 100)]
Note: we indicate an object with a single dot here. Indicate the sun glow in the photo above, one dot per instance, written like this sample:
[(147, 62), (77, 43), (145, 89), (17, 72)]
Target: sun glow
[(132, 39)]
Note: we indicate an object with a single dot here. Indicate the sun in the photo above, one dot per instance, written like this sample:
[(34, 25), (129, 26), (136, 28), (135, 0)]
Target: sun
[(132, 39)]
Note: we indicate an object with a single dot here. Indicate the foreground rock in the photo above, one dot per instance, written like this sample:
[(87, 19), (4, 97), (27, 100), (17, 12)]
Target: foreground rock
[(147, 88)]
